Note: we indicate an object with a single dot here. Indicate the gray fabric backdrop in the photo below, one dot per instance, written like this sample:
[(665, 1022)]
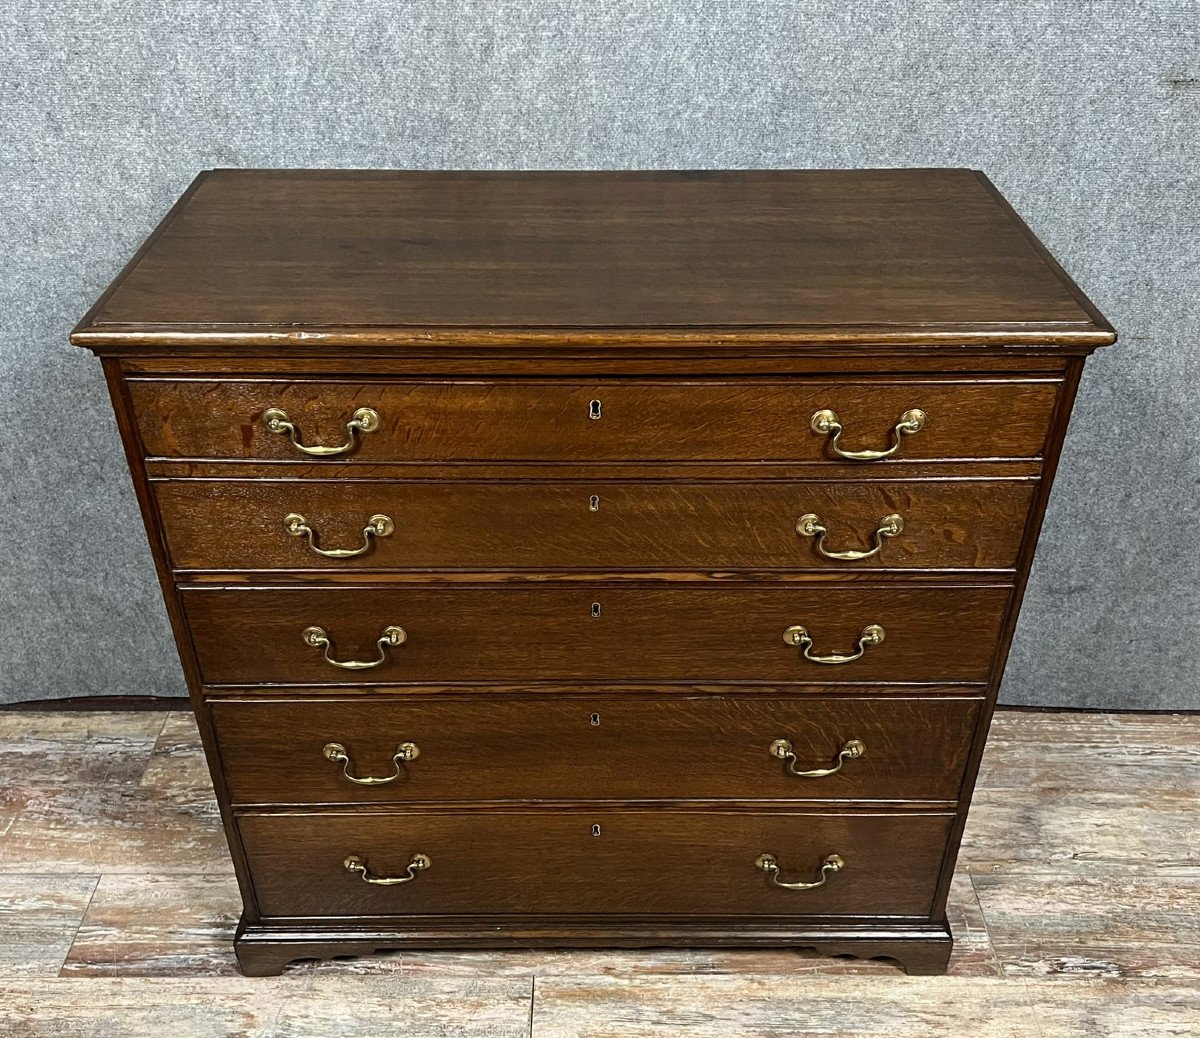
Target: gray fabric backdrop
[(1087, 115)]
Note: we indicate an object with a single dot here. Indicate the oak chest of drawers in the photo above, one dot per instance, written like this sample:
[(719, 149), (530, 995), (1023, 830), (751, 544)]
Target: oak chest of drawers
[(613, 559)]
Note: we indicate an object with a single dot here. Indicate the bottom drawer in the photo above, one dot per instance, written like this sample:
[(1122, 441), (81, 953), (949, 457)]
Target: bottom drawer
[(594, 861)]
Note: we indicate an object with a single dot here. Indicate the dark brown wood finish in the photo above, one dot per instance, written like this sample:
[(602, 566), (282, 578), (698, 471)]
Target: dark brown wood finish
[(647, 633), (594, 861), (264, 948), (597, 525), (549, 421), (606, 746), (481, 314), (678, 690), (586, 472), (557, 357), (909, 253), (73, 704)]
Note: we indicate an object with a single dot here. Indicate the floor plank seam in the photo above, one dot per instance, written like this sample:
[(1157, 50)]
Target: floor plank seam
[(997, 964), (532, 1001), (141, 782), (82, 919)]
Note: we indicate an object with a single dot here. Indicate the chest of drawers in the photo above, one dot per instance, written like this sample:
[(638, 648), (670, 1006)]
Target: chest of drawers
[(593, 559)]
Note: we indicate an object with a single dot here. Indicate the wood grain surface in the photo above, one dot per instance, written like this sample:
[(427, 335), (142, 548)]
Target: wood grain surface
[(157, 925), (766, 1006), (593, 861), (598, 524), (933, 634), (1103, 925), (902, 252), (550, 420), (229, 1007), (608, 747), (39, 914)]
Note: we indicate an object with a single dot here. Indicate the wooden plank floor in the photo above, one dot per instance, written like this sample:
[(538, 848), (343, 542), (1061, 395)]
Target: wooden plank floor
[(1076, 911)]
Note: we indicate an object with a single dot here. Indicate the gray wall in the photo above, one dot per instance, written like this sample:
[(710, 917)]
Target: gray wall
[(1087, 115)]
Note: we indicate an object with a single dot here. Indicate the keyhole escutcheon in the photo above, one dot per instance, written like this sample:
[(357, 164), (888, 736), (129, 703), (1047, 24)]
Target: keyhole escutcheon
[(594, 410)]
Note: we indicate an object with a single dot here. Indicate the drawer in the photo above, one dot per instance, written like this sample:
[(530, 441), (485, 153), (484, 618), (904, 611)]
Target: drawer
[(697, 863), (599, 747), (237, 524), (936, 633), (746, 420)]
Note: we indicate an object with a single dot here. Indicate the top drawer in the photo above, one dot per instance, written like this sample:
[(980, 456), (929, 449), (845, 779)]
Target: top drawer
[(604, 420)]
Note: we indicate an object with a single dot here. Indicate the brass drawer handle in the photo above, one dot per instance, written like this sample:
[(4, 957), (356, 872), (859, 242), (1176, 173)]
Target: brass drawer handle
[(769, 865), (357, 863), (391, 637), (810, 525), (782, 749), (870, 636), (377, 526), (406, 751), (827, 423), (365, 420)]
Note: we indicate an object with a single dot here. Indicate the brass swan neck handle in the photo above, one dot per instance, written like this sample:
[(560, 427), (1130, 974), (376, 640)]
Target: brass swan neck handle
[(826, 423), (390, 637), (811, 525), (852, 749), (338, 754), (377, 526), (364, 420), (358, 863), (869, 637), (770, 865)]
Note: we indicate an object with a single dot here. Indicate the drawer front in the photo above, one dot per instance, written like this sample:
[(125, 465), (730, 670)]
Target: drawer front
[(604, 525), (548, 861), (600, 633), (617, 420), (601, 747)]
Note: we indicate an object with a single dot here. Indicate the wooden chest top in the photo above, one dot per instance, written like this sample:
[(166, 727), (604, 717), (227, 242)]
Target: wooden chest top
[(268, 258)]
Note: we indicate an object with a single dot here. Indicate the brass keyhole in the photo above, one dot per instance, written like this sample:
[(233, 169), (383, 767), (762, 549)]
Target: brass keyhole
[(595, 830), (594, 503), (594, 410), (595, 609), (595, 720)]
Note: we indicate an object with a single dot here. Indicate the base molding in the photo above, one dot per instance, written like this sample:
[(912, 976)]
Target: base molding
[(264, 948)]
